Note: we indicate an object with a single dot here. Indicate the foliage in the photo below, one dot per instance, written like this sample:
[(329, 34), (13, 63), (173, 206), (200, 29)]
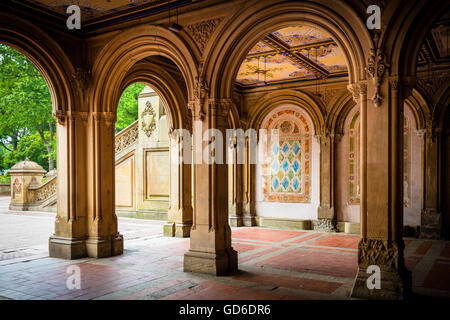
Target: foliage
[(127, 111), (27, 127), (27, 124)]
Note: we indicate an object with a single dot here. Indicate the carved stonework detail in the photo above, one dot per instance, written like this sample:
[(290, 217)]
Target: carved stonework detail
[(376, 68), (354, 89), (325, 225), (148, 121), (325, 95), (127, 138), (82, 78), (382, 253), (17, 188), (46, 191), (432, 86), (201, 32)]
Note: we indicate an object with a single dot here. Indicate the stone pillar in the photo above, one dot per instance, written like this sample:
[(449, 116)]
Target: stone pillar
[(235, 213), (103, 239), (24, 174), (210, 251), (326, 216), (381, 241), (180, 213), (69, 239), (431, 217), (249, 187)]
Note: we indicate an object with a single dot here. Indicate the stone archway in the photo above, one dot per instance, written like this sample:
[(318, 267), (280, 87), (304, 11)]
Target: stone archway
[(174, 97)]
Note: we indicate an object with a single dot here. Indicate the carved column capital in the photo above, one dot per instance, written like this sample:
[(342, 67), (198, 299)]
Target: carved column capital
[(220, 107), (421, 133), (377, 66), (109, 118), (196, 110), (355, 91)]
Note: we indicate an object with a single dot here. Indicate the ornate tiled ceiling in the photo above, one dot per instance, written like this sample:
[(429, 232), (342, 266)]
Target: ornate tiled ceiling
[(436, 47), (92, 9), (292, 54)]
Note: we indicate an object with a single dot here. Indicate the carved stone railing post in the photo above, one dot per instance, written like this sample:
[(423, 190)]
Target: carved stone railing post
[(210, 250)]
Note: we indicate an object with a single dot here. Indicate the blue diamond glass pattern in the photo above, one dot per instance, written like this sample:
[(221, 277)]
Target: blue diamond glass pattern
[(296, 148), (275, 149), (285, 166), (295, 166), (275, 183), (275, 166), (285, 183), (295, 183), (285, 148)]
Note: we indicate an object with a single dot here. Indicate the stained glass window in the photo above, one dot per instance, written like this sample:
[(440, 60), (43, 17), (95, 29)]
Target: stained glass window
[(287, 157)]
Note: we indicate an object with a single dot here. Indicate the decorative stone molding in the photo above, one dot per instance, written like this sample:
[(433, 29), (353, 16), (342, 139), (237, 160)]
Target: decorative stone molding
[(148, 119), (376, 68), (127, 137), (201, 32)]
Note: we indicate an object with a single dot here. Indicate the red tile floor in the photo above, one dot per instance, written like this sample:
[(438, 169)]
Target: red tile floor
[(273, 264)]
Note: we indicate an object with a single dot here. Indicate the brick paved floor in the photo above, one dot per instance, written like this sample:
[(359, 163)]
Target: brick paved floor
[(273, 264)]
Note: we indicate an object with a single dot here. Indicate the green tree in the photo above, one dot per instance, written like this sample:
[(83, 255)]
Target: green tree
[(127, 111), (25, 107)]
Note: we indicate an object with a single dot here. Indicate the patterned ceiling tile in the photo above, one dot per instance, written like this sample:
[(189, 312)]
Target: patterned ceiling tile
[(301, 35), (91, 9), (266, 65), (260, 47)]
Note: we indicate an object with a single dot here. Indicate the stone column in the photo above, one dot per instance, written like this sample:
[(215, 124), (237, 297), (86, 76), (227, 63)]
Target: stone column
[(326, 216), (69, 239), (431, 217), (235, 183), (381, 243), (180, 213), (210, 251), (249, 187), (103, 239)]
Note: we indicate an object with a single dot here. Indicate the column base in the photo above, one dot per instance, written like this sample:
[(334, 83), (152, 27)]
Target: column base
[(18, 206), (431, 224), (249, 220), (393, 286), (178, 230), (103, 247), (66, 248), (325, 225), (236, 221), (394, 279), (219, 263)]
